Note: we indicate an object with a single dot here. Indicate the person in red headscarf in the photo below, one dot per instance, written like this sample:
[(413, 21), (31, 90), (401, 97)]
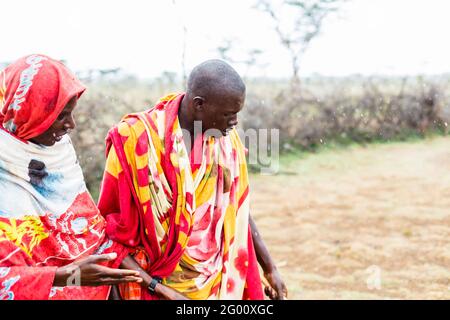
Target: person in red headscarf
[(52, 236)]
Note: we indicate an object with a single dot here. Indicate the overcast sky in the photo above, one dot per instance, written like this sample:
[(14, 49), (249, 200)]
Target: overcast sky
[(145, 37)]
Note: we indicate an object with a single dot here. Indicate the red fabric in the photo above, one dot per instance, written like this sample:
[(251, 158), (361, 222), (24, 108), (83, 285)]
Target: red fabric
[(33, 91), (26, 283), (30, 277), (125, 215), (253, 290), (126, 221), (36, 90)]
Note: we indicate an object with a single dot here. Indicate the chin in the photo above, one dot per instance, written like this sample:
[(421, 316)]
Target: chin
[(42, 143), (227, 132), (48, 144)]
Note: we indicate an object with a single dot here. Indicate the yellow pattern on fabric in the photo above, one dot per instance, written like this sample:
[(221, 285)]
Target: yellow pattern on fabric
[(30, 227), (2, 88), (229, 226), (192, 277), (136, 162), (168, 97), (113, 166)]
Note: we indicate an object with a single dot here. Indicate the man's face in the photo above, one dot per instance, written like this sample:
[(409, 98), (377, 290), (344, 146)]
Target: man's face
[(220, 113)]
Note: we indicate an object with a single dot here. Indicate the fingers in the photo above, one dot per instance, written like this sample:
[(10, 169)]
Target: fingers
[(280, 292), (110, 271), (275, 288), (271, 293), (285, 291), (117, 273), (134, 279), (126, 279), (113, 281), (267, 291)]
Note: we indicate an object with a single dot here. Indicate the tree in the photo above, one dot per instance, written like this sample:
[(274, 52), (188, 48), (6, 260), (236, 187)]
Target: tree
[(230, 48), (183, 51), (297, 23)]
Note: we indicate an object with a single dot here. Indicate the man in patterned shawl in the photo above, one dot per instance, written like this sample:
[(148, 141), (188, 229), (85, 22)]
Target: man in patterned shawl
[(178, 196)]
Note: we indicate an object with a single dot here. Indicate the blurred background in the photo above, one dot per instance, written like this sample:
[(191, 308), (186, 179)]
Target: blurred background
[(359, 90)]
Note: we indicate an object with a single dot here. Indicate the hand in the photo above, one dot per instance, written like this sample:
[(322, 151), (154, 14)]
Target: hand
[(164, 292), (88, 272), (275, 289)]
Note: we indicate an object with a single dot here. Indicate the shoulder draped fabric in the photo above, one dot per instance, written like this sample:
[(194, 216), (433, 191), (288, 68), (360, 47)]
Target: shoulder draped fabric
[(47, 216), (185, 215)]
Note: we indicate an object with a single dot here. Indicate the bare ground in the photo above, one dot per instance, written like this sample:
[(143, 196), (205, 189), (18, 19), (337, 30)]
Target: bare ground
[(361, 223)]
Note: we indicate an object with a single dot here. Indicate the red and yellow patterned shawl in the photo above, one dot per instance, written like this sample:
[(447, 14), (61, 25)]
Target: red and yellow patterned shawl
[(186, 222)]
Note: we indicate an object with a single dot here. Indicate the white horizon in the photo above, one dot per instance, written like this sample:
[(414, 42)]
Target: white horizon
[(145, 38)]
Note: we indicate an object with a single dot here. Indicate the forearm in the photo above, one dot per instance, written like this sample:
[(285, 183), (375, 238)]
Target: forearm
[(61, 276), (275, 289), (130, 263), (262, 253)]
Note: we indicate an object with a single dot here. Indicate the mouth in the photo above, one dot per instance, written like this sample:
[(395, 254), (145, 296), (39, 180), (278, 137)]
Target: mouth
[(227, 131), (58, 137)]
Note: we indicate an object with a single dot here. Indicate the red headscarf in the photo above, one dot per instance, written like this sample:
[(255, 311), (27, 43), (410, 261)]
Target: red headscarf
[(33, 92)]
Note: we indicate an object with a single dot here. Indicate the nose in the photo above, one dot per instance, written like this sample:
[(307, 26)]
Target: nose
[(70, 123), (233, 123)]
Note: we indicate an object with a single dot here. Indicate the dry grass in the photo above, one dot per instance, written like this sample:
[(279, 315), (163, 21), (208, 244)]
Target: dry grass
[(349, 210), (342, 211), (324, 111)]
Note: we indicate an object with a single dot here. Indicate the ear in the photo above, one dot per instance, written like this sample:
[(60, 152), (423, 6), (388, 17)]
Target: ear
[(199, 103)]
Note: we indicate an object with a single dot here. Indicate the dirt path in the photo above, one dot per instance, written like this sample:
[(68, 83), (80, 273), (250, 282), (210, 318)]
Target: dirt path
[(361, 223)]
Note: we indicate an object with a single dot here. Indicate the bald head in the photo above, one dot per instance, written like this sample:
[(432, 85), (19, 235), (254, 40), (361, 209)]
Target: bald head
[(214, 78), (215, 95)]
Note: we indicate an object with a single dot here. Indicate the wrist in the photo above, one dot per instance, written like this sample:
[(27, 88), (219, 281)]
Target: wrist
[(154, 286), (61, 276), (159, 289), (146, 280)]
